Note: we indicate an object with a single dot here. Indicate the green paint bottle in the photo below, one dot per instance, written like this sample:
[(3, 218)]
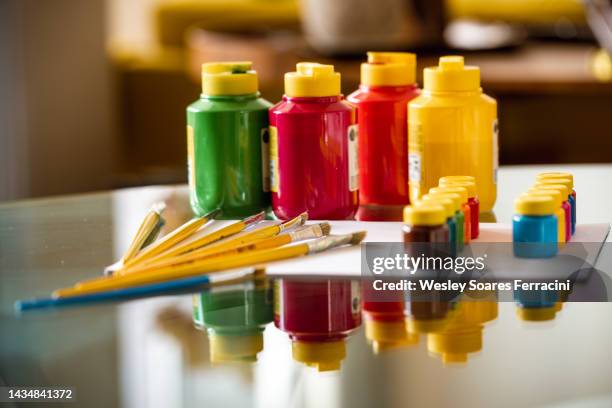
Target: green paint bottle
[(227, 142)]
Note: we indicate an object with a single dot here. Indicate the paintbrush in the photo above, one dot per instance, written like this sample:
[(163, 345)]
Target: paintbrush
[(199, 242), (173, 238), (220, 247), (186, 285), (213, 251), (220, 264), (147, 232)]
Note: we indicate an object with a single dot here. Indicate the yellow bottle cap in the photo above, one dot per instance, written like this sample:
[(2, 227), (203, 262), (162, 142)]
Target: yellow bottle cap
[(555, 194), (556, 175), (447, 203), (325, 356), (312, 80), (534, 205), (388, 335), (450, 75), (389, 69), (228, 348), (429, 215), (469, 185), (455, 345), (452, 196), (565, 181), (462, 191), (536, 314), (548, 186), (228, 78), (456, 178)]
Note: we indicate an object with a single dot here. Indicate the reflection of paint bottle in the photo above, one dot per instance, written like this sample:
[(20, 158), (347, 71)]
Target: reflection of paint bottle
[(469, 183), (313, 147), (385, 325), (463, 332), (536, 305), (227, 134), (452, 130), (388, 83), (567, 180), (534, 227), (318, 316), (235, 318), (426, 316)]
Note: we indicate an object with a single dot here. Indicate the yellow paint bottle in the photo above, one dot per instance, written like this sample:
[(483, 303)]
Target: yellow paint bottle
[(452, 130)]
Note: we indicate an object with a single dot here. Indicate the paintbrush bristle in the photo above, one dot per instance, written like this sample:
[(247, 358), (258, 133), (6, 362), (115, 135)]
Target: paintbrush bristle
[(325, 228), (357, 237)]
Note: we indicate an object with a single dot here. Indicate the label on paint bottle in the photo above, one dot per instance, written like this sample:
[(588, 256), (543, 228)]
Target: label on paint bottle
[(414, 167), (415, 146), (495, 149), (273, 159), (191, 158), (265, 159), (353, 158)]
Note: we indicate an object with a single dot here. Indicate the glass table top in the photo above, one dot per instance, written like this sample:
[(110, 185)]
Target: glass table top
[(281, 343)]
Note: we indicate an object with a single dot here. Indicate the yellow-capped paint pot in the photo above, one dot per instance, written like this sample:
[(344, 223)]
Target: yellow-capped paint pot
[(453, 130)]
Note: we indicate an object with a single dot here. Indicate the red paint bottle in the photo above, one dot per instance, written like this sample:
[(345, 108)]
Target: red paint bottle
[(469, 183), (313, 147), (388, 83), (318, 316)]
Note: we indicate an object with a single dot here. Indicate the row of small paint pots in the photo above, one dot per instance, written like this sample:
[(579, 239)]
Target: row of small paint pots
[(448, 213), (545, 216)]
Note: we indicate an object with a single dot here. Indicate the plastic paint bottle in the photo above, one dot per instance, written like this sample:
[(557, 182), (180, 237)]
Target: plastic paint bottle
[(388, 83), (235, 320), (534, 227), (313, 147), (449, 207), (465, 207), (562, 234), (425, 223), (385, 325), (318, 316), (474, 204), (567, 208), (453, 130), (227, 136), (459, 217), (566, 179)]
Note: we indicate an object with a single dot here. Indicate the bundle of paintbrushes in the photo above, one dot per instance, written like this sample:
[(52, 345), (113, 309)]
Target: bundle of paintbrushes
[(201, 252)]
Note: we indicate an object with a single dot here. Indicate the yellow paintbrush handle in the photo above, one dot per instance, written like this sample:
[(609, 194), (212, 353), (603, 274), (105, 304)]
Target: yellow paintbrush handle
[(210, 254), (197, 268), (224, 232), (169, 240)]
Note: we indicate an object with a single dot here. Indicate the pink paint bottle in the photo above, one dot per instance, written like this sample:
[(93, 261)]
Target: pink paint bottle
[(313, 147)]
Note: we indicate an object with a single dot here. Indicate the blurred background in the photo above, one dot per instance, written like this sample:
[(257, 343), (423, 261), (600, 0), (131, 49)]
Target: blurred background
[(93, 93)]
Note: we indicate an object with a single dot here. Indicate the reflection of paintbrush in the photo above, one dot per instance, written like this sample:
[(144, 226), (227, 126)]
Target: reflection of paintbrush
[(208, 266), (193, 244), (185, 285), (173, 238), (147, 233), (213, 251)]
